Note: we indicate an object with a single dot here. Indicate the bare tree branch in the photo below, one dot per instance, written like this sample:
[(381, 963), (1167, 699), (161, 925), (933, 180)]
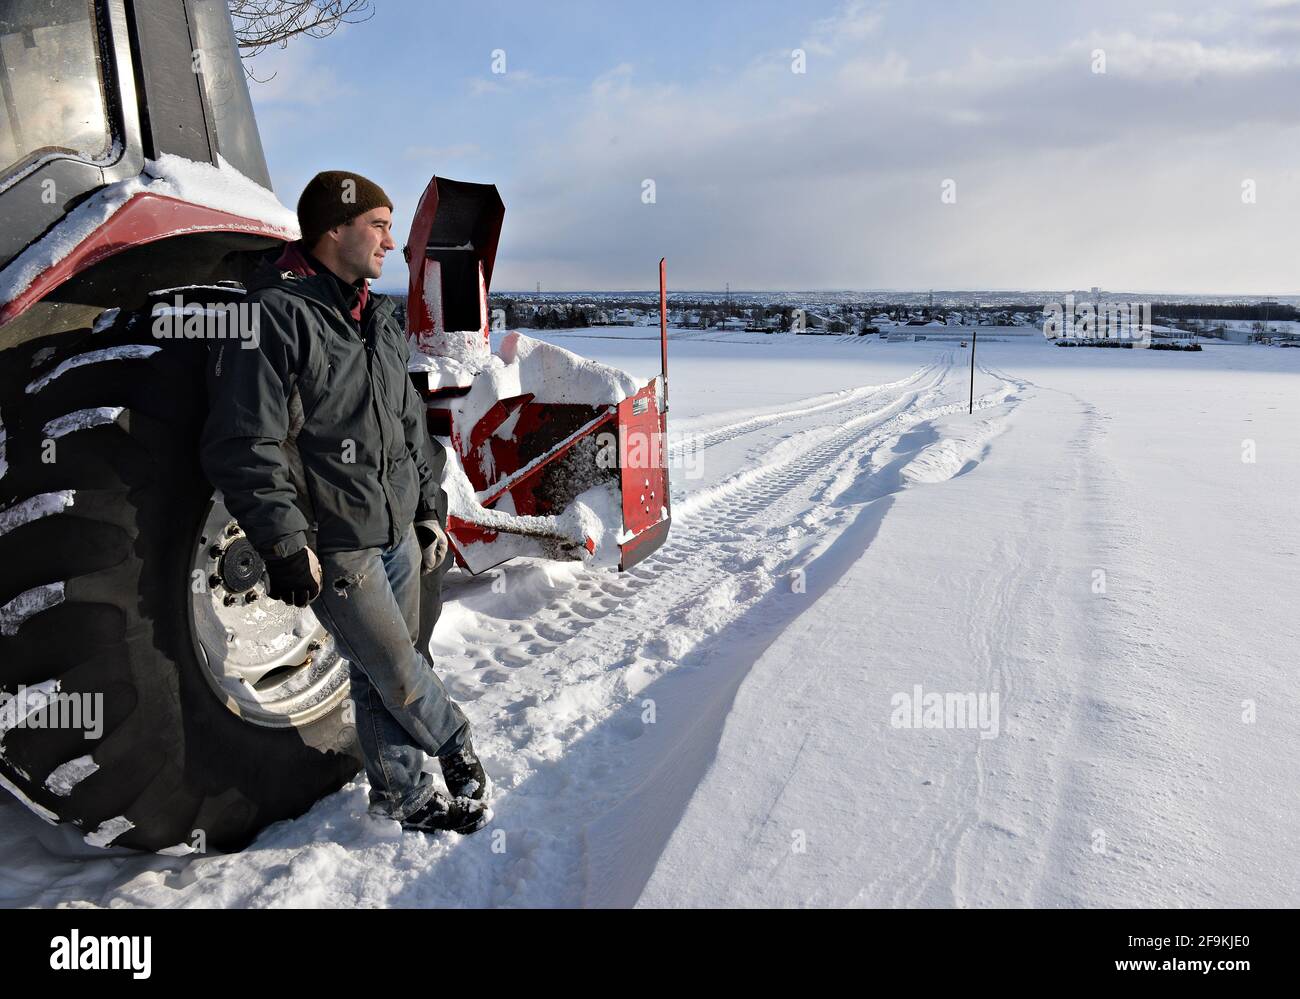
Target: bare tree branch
[(260, 24)]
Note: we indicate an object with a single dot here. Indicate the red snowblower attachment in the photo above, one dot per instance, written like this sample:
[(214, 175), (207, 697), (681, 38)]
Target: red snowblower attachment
[(548, 454)]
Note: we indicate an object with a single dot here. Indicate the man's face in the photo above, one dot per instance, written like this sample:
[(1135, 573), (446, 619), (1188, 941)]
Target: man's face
[(364, 241)]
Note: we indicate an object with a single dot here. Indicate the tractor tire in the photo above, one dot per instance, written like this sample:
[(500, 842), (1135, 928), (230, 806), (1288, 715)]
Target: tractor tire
[(117, 567)]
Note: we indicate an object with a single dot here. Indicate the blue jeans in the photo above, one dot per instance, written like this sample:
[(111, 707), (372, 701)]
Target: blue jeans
[(370, 605)]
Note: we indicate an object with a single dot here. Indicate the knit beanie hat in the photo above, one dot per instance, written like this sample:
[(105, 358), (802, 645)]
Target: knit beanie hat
[(333, 198)]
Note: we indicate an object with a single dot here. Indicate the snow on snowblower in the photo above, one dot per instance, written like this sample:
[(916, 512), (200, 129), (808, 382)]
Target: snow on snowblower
[(151, 695), (550, 454)]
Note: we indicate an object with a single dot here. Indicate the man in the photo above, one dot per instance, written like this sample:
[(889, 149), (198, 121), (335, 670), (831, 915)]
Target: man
[(317, 440)]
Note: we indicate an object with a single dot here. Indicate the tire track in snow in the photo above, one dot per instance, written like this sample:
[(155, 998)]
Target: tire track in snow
[(725, 555), (706, 521), (854, 485), (934, 865), (805, 407), (1118, 766), (698, 521)]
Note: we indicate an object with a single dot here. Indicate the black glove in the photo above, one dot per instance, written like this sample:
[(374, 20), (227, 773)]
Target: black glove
[(433, 544), (294, 579)]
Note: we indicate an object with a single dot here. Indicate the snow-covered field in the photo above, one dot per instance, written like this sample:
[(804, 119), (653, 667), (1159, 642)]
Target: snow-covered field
[(1102, 559)]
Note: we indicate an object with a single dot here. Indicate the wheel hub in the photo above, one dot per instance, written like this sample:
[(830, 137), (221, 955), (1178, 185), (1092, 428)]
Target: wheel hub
[(240, 566), (270, 663)]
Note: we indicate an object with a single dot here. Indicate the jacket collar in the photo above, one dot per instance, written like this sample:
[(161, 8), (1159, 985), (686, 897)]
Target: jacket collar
[(297, 259), (302, 274)]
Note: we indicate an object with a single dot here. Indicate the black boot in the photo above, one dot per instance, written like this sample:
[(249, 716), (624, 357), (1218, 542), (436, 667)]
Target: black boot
[(464, 774), (440, 813)]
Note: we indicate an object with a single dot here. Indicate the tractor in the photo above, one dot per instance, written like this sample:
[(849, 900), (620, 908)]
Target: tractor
[(151, 694)]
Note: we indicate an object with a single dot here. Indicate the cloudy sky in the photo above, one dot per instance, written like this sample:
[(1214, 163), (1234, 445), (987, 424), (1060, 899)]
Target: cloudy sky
[(1176, 169)]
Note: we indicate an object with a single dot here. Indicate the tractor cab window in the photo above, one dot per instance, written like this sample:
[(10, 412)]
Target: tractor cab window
[(51, 82)]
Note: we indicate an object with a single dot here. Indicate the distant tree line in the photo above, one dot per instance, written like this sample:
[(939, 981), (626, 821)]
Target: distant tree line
[(524, 311), (1191, 310)]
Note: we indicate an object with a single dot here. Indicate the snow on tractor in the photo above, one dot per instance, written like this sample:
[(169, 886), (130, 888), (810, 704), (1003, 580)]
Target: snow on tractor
[(151, 694)]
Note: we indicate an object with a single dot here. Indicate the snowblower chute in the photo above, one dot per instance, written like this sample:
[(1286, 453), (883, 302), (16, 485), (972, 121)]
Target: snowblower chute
[(548, 454)]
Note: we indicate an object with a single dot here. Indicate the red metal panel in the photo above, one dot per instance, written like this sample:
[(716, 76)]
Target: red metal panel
[(523, 485), (145, 218), (644, 544), (419, 324), (501, 411), (469, 211), (639, 516), (642, 460)]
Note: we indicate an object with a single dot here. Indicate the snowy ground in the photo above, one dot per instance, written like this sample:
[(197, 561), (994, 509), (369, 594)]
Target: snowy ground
[(721, 725)]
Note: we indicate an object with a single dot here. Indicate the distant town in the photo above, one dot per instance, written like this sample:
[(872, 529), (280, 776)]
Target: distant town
[(864, 314)]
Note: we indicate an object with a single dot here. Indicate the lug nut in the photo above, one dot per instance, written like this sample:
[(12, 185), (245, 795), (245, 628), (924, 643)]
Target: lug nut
[(230, 600), (232, 531), (214, 551), (250, 596), (214, 581)]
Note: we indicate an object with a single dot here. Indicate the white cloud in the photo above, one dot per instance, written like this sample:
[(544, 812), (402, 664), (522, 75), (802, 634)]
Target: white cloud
[(1183, 59), (831, 179), (884, 72), (853, 22)]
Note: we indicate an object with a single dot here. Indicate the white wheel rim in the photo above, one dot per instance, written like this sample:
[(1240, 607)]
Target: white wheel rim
[(271, 664)]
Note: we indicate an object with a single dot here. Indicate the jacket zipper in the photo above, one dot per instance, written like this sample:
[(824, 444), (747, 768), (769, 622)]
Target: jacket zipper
[(368, 344)]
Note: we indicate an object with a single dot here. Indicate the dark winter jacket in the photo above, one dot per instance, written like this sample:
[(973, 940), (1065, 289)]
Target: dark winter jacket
[(317, 435)]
